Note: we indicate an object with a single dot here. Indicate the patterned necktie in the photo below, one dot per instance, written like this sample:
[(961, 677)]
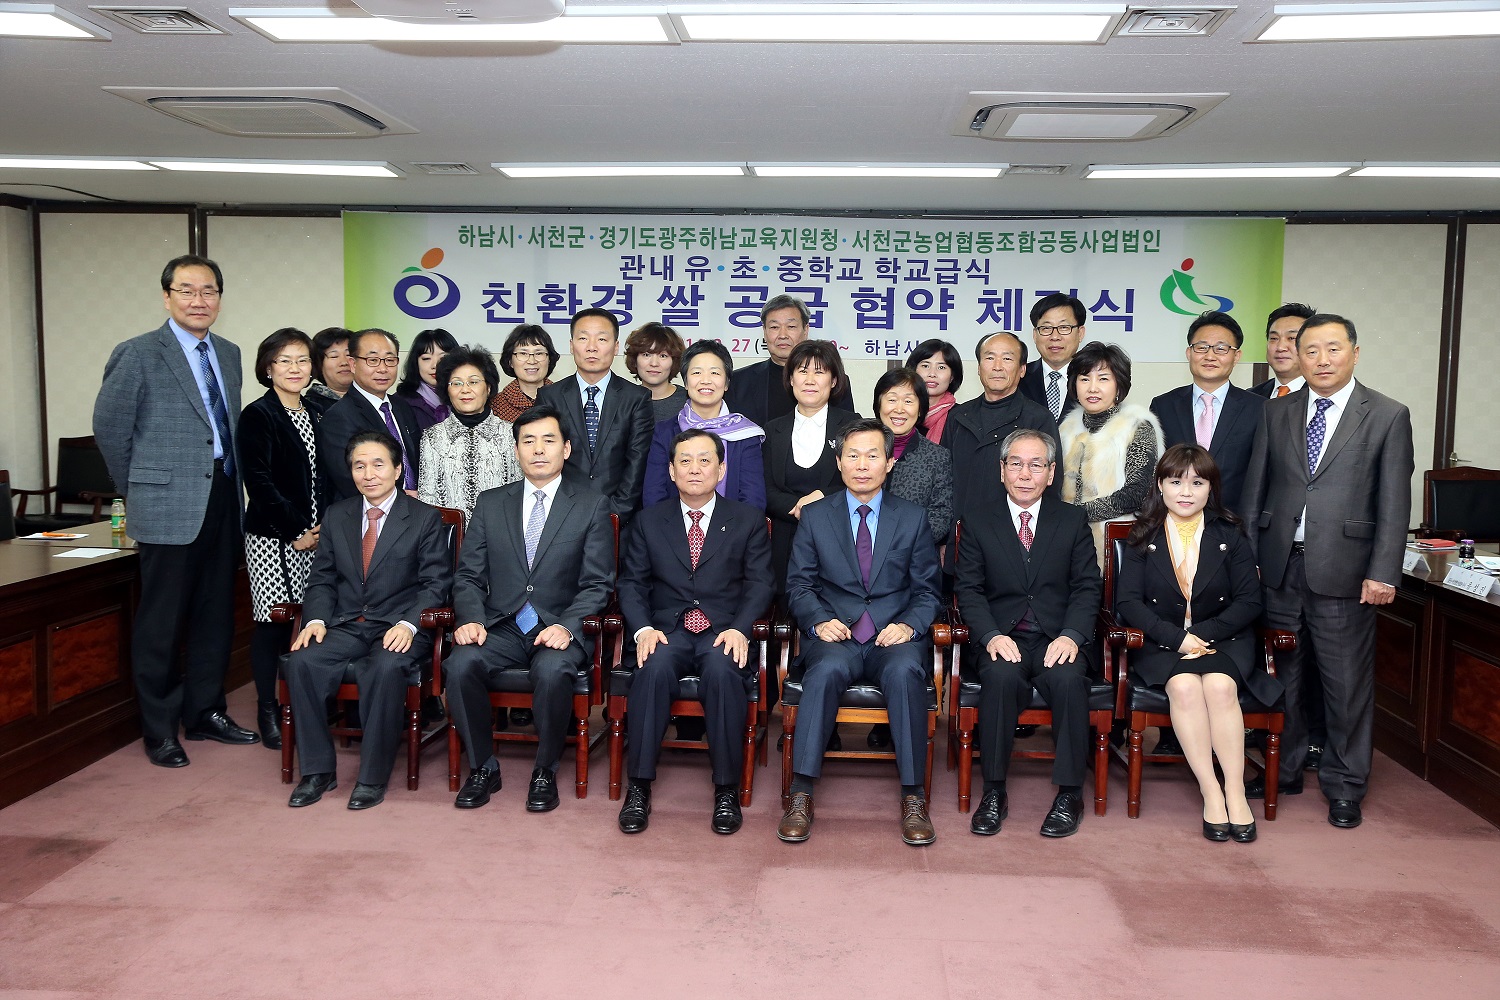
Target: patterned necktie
[(1316, 429), (1054, 394), (591, 416), (695, 621), (1025, 532), (1206, 420), (408, 478), (864, 551), (1282, 390), (372, 533), (216, 407), (526, 618)]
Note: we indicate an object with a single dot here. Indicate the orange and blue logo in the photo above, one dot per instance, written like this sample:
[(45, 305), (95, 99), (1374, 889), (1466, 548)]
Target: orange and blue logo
[(424, 293), (1180, 284)]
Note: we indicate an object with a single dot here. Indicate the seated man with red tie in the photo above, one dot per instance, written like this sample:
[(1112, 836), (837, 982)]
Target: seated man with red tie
[(695, 574), (382, 559)]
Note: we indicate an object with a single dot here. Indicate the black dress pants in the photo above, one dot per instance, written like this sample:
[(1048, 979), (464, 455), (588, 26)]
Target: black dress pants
[(1005, 689), (721, 688)]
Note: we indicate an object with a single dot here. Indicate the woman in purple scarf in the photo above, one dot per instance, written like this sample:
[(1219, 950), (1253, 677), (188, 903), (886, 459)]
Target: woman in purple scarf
[(418, 384), (706, 367)]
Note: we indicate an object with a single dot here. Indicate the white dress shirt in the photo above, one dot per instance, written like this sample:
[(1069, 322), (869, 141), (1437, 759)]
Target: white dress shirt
[(528, 500), (809, 437), (1015, 514), (1291, 386), (1331, 417)]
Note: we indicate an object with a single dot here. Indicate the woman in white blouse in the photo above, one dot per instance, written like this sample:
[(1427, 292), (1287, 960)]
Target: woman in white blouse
[(472, 450)]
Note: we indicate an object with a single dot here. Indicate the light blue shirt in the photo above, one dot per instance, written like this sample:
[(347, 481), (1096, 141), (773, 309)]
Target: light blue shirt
[(189, 345), (602, 385), (872, 519)]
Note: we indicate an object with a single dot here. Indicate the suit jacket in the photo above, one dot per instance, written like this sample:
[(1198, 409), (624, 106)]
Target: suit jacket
[(617, 468), (157, 436), (571, 576), (731, 586), (823, 581), (1034, 388), (781, 498), (749, 390), (1358, 503), (280, 482), (1058, 579), (1265, 389), (1234, 434), (976, 455), (745, 480), (411, 569), (350, 416)]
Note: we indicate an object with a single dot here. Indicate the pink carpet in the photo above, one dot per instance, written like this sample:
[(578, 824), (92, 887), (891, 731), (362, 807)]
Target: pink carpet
[(128, 881)]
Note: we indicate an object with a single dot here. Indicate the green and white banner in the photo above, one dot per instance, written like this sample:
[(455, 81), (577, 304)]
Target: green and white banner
[(877, 287)]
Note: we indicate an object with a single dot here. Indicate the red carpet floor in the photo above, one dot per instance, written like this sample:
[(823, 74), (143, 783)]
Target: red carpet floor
[(128, 881)]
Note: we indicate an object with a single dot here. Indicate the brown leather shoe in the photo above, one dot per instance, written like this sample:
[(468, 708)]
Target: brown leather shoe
[(916, 825), (796, 825)]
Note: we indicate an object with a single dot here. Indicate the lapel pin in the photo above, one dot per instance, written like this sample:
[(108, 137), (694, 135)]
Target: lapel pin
[(1223, 547), (1151, 547)]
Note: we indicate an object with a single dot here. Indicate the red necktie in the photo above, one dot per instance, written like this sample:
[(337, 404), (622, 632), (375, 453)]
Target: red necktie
[(695, 621), (1025, 532), (367, 545)]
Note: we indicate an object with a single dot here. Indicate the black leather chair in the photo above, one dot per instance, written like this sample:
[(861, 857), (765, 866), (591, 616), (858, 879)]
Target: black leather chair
[(82, 480), (1461, 502)]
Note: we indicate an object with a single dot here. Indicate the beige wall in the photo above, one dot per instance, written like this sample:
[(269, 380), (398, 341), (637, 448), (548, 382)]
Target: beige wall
[(20, 439), (1475, 438)]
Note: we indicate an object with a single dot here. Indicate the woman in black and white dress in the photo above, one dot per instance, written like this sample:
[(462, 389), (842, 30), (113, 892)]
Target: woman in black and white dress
[(472, 450), (278, 459)]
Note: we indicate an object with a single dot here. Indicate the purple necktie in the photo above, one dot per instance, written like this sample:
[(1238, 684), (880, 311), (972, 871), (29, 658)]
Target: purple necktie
[(864, 551), (408, 478)]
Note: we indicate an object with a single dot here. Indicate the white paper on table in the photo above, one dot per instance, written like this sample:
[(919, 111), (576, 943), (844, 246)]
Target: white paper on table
[(82, 553), (53, 536)]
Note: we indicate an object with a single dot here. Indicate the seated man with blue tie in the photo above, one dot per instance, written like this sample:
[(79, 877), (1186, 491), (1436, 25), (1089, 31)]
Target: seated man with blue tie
[(695, 574), (1029, 589), (863, 585), (537, 559), (382, 559)]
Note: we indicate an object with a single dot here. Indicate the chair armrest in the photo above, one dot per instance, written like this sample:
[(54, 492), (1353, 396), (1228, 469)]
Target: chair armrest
[(98, 499), (437, 618), (23, 494), (287, 613), (1276, 641), (1119, 636)]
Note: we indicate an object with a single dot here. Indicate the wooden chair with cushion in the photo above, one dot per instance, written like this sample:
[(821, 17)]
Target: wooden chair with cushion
[(429, 681), (82, 481)]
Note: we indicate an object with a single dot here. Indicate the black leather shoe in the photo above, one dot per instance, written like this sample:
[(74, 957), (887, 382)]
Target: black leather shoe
[(1314, 757), (268, 721), (635, 814), (221, 728), (1344, 813), (1064, 816), (1256, 789), (165, 753), (366, 796), (311, 788), (1025, 732), (482, 783), (520, 717), (727, 816), (1217, 832), (1168, 744), (543, 794), (879, 736), (1242, 834), (993, 809)]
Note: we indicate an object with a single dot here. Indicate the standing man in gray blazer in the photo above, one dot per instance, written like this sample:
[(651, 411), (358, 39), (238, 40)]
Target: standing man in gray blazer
[(165, 421), (1330, 475)]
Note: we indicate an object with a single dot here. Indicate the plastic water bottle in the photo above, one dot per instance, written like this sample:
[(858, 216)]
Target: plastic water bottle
[(117, 518)]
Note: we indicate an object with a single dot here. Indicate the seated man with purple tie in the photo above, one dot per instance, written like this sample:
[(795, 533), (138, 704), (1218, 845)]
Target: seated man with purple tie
[(695, 575)]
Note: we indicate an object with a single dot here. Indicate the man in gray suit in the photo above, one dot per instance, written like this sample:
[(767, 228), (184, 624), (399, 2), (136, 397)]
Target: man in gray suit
[(1330, 475), (165, 422), (537, 559)]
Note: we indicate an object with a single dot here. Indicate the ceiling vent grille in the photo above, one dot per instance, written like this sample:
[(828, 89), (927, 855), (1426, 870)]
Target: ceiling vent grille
[(1036, 169), (160, 20), (447, 169), (1023, 117), (1175, 22), (270, 112)]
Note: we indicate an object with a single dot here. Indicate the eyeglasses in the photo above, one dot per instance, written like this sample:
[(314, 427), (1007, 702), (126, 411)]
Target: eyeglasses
[(189, 294), (458, 383), (302, 362), (371, 361), (1219, 350), (1017, 466), (528, 355), (1065, 330)]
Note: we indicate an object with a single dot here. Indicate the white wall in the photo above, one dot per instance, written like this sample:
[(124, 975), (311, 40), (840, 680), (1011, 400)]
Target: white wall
[(1474, 438), (20, 439)]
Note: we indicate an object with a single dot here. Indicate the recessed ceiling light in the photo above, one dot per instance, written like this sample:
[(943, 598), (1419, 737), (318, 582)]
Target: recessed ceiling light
[(45, 20), (319, 24), (528, 171), (1369, 21), (1210, 171), (872, 170), (1429, 170), (69, 163), (273, 167), (909, 22)]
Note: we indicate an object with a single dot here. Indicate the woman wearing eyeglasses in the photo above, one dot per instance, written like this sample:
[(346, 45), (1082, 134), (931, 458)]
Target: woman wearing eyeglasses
[(472, 450), (278, 460), (528, 357), (1108, 447)]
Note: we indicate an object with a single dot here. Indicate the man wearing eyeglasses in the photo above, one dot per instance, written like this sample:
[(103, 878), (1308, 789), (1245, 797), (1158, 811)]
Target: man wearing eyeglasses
[(165, 421), (369, 405), (1057, 329)]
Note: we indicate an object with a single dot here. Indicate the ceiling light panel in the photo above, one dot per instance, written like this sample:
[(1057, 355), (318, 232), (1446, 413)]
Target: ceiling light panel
[(275, 167), (1436, 170), (1375, 21), (1217, 171), (951, 171), (932, 22), (69, 163), (610, 25), (45, 20), (532, 171)]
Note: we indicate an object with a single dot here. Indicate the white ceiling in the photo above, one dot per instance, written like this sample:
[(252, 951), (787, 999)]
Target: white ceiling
[(1429, 100)]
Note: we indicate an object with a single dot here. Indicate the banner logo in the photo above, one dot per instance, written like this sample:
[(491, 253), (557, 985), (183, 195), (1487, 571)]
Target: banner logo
[(1179, 282), (433, 300)]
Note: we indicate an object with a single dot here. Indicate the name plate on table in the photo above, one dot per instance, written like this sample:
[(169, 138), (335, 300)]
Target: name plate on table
[(1469, 581), (1413, 561)]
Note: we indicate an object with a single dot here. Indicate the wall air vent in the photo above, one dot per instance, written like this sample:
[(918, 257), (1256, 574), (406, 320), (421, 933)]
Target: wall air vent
[(1023, 117), (1173, 21), (447, 169), (160, 20), (270, 112)]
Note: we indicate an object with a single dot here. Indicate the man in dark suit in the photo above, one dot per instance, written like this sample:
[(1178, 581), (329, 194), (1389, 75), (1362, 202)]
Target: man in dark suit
[(1330, 476), (695, 575), (538, 558), (382, 559), (165, 421), (1281, 350), (369, 405), (1057, 329), (864, 587), (758, 391), (609, 423), (1029, 589)]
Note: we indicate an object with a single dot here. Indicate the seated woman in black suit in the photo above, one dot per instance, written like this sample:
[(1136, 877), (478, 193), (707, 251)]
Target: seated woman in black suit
[(1201, 648)]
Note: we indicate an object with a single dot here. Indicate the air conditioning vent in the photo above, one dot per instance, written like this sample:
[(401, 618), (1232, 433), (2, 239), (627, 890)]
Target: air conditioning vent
[(447, 169), (1174, 21), (160, 20), (270, 112), (1037, 169), (1023, 117)]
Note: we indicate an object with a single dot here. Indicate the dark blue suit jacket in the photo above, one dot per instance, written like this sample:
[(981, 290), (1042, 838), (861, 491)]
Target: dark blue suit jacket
[(745, 481), (1234, 434)]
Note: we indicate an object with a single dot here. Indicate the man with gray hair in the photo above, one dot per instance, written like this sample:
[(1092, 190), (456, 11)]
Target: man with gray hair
[(758, 391)]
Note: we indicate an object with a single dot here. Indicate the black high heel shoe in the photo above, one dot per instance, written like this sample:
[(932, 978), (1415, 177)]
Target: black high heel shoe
[(1242, 834), (1218, 832)]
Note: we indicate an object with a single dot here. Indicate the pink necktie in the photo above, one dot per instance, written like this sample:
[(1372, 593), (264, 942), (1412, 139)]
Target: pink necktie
[(1206, 421), (695, 621)]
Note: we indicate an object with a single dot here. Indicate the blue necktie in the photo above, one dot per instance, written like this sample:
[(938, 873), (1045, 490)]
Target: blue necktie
[(526, 618), (1316, 429), (591, 416), (216, 407), (864, 551)]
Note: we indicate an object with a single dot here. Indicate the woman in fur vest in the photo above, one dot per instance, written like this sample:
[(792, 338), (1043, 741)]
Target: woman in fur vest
[(1109, 447)]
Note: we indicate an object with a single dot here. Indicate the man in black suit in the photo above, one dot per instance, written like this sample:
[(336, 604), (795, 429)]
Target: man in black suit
[(609, 423), (864, 587), (1281, 350), (1057, 329), (538, 558), (1029, 589), (759, 391), (382, 559), (695, 575), (369, 405)]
